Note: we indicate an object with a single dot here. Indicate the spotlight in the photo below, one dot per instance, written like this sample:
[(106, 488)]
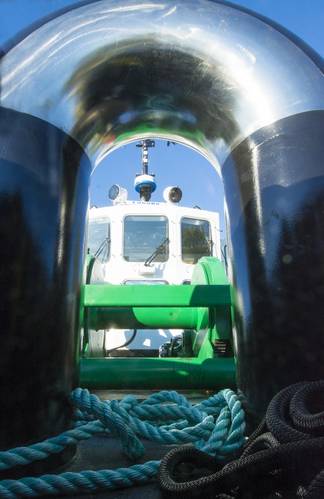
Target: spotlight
[(117, 193), (172, 194)]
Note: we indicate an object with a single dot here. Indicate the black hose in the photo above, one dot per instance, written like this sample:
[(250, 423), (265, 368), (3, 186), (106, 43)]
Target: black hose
[(132, 338), (86, 310), (280, 459), (88, 280)]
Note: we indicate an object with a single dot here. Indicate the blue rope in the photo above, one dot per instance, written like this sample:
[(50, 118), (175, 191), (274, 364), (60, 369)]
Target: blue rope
[(215, 426)]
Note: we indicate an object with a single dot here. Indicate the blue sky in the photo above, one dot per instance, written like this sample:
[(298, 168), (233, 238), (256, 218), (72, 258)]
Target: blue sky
[(174, 165)]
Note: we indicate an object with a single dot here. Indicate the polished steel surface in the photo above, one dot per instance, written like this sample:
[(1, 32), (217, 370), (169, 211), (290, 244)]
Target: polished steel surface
[(197, 71)]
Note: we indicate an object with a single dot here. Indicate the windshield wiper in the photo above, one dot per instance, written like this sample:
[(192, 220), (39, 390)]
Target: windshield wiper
[(102, 246), (156, 252)]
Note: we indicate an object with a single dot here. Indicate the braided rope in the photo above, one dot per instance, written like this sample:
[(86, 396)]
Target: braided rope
[(41, 450), (281, 457), (91, 404), (215, 426), (84, 481)]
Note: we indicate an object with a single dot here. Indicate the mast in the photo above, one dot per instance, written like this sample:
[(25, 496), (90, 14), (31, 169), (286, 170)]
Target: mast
[(144, 182)]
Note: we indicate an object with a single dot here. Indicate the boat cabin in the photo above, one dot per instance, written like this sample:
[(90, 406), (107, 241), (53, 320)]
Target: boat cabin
[(140, 242)]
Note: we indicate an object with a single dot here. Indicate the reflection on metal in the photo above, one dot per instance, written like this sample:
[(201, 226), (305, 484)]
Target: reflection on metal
[(199, 72)]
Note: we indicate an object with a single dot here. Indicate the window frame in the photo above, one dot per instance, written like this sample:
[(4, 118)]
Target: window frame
[(202, 219)]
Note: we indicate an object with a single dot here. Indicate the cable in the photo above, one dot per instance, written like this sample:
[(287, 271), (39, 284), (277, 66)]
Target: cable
[(88, 279), (131, 339), (85, 339)]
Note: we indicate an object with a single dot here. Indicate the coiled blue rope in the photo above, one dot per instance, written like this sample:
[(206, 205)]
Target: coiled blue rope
[(215, 426)]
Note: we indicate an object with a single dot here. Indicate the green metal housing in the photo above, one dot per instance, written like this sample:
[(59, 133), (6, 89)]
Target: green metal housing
[(144, 318), (155, 373), (205, 307)]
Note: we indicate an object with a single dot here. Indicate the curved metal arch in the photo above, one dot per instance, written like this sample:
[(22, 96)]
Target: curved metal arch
[(203, 72)]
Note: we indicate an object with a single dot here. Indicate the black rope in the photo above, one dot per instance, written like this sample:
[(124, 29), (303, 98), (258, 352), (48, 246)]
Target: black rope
[(316, 487), (281, 457)]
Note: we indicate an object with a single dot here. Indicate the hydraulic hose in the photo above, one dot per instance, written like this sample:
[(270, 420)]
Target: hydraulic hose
[(128, 342), (281, 458)]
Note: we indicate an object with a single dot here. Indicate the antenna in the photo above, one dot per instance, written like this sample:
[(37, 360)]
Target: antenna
[(145, 144), (144, 182)]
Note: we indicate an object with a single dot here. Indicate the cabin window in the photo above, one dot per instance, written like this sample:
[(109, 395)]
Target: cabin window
[(195, 239), (146, 239), (99, 239)]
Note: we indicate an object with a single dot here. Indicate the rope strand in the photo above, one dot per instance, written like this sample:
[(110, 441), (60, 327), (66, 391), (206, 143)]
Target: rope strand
[(215, 425)]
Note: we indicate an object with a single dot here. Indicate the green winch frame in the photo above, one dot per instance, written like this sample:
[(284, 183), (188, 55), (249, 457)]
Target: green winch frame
[(204, 309)]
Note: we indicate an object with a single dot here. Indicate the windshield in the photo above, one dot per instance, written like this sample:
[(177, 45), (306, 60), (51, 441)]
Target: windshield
[(195, 239), (143, 235), (98, 234)]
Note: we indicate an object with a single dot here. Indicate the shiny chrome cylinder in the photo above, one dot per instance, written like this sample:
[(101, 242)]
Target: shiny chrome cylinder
[(241, 91)]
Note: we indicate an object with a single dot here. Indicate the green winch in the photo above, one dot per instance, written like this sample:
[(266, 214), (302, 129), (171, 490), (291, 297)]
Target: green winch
[(203, 309)]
